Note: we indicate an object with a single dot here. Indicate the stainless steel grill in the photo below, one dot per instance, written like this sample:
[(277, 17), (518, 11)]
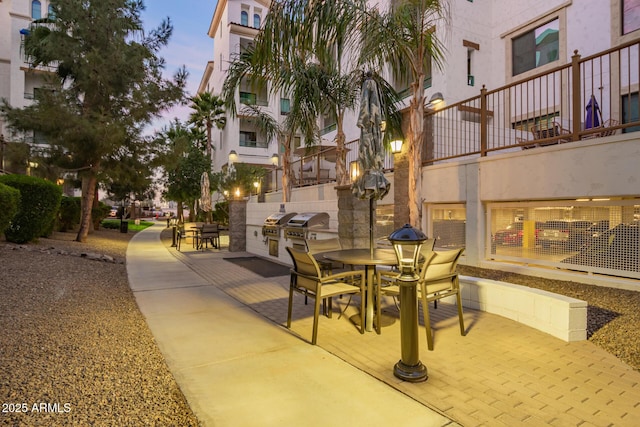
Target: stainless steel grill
[(272, 225), (299, 226)]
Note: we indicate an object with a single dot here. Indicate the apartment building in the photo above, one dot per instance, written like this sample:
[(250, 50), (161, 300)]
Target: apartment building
[(515, 72)]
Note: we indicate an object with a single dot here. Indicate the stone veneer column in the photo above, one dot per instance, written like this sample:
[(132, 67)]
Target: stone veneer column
[(353, 219), (401, 188), (237, 225)]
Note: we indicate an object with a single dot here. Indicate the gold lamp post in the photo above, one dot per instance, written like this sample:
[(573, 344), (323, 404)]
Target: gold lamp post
[(407, 242)]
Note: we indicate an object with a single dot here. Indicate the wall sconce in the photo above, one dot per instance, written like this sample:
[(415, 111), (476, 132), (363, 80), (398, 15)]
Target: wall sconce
[(256, 185), (354, 170), (396, 146), (275, 160), (237, 193), (233, 156), (436, 98)]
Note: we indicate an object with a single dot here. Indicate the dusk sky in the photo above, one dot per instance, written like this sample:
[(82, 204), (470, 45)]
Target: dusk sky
[(189, 45)]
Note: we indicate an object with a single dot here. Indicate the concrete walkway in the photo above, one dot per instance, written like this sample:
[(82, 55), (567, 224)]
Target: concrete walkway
[(237, 368), (221, 330)]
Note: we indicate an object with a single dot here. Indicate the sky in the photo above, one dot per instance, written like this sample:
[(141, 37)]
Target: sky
[(189, 45)]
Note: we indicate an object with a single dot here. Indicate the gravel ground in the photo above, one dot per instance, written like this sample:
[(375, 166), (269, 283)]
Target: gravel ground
[(74, 349)]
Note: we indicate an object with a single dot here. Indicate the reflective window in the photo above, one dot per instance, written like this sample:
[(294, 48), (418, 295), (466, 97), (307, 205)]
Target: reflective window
[(256, 21), (536, 48), (244, 18), (630, 16)]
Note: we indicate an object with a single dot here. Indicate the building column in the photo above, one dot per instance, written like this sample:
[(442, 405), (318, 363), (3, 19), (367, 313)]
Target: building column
[(353, 219), (237, 225)]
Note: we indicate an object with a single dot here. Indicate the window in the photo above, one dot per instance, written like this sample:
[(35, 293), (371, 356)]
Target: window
[(544, 122), (256, 20), (285, 106), (36, 9), (536, 48), (50, 12), (244, 18), (630, 111), (248, 139), (630, 16)]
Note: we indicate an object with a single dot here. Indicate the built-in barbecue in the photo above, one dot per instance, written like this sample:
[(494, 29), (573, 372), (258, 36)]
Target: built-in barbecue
[(299, 226), (271, 230)]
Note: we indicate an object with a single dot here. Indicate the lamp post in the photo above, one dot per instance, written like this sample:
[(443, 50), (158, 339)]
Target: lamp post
[(274, 162), (407, 242)]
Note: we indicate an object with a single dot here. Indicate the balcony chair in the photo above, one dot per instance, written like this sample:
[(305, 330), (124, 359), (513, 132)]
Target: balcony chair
[(307, 279), (438, 279)]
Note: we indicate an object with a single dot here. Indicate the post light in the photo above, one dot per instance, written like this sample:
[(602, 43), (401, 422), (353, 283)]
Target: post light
[(256, 185), (396, 146), (275, 160), (226, 193), (407, 242), (237, 193)]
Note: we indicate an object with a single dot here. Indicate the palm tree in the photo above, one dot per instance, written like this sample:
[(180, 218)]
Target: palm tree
[(405, 39), (207, 112)]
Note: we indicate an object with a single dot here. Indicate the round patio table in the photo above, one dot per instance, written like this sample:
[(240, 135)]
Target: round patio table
[(365, 258)]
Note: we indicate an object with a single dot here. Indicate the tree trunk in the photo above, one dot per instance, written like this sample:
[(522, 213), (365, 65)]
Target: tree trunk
[(416, 131), (341, 153), (89, 185), (286, 170)]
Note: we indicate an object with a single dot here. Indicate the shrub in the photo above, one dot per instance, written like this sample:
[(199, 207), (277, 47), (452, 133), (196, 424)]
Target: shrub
[(9, 202), (98, 213), (39, 203), (69, 213)]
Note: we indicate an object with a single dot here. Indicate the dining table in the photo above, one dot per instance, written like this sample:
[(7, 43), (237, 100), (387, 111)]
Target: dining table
[(369, 259)]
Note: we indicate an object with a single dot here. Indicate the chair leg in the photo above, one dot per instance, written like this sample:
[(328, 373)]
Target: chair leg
[(362, 311), (427, 320), (290, 302), (378, 303), (316, 315), (459, 303)]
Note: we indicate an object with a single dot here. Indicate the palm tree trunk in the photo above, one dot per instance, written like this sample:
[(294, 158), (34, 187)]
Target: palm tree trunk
[(416, 131), (341, 157)]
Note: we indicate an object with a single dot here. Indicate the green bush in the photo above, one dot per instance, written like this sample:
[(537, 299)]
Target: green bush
[(69, 213), (39, 203), (111, 224), (98, 213), (9, 202)]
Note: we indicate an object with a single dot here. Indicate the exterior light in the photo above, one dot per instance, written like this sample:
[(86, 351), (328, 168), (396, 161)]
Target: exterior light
[(383, 126), (226, 193), (396, 146), (407, 242), (275, 160), (233, 156), (436, 98), (354, 170), (237, 193)]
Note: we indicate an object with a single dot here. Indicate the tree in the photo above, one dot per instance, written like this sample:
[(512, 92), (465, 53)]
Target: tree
[(107, 85), (207, 112), (404, 38), (180, 154), (301, 50)]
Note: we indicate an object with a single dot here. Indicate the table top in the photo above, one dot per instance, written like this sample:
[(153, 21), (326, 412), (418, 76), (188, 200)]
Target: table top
[(363, 256)]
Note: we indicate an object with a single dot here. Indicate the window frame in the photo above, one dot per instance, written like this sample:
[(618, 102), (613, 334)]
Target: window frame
[(558, 13), (35, 3)]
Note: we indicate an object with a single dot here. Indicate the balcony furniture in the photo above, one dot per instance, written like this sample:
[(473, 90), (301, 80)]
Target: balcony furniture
[(317, 246), (604, 130), (307, 279), (545, 131)]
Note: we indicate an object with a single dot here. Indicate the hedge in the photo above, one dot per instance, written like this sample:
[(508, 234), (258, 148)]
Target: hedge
[(39, 203), (9, 202)]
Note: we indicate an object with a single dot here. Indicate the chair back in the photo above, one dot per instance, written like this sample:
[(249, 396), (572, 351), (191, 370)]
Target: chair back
[(306, 267), (426, 252), (316, 246), (442, 264), (209, 229)]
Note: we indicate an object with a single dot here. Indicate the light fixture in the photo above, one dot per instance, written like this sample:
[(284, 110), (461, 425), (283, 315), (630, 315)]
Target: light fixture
[(407, 242), (275, 160), (383, 126), (233, 156), (354, 170), (396, 146), (436, 98), (237, 192)]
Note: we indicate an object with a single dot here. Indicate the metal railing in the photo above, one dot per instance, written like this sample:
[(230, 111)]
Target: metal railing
[(544, 109)]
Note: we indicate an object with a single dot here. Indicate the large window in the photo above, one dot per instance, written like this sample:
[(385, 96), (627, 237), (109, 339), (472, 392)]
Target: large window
[(630, 111), (244, 18), (256, 20), (630, 16), (536, 48)]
